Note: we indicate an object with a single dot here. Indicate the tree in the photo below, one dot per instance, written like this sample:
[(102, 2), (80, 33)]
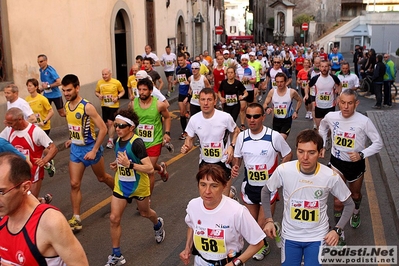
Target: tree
[(301, 19)]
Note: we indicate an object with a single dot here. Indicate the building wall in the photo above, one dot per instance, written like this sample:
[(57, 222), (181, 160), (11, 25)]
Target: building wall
[(77, 37)]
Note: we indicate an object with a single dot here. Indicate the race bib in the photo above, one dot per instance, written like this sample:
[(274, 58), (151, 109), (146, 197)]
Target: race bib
[(146, 132), (305, 213), (211, 241), (126, 174), (75, 134), (325, 97), (196, 95), (280, 110), (304, 83), (169, 62), (245, 82), (274, 84), (335, 59), (345, 84), (257, 174), (108, 100), (287, 66), (212, 150), (38, 119), (181, 78), (25, 152), (344, 139), (231, 99)]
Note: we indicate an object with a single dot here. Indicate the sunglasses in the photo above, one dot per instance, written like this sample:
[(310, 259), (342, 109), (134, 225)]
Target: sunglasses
[(121, 126), (257, 116), (194, 68), (276, 62)]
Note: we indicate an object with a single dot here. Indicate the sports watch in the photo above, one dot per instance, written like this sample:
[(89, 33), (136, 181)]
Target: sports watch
[(338, 230)]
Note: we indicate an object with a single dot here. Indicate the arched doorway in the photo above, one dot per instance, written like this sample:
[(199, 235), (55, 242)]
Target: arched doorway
[(120, 50), (181, 33)]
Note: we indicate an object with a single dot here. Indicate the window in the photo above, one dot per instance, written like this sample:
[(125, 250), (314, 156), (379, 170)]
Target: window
[(233, 29)]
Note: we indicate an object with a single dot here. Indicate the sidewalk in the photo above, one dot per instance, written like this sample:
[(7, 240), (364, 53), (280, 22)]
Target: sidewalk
[(387, 123)]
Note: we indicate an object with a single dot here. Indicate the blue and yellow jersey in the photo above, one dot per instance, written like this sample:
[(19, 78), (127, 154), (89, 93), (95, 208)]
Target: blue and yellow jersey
[(129, 182), (81, 127)]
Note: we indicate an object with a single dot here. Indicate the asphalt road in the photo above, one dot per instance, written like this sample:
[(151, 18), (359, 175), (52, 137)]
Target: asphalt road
[(170, 199)]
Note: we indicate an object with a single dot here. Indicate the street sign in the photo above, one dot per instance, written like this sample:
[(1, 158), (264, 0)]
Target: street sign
[(305, 26), (219, 30)]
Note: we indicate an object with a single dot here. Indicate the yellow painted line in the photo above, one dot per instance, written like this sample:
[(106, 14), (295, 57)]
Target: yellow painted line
[(376, 220), (107, 201)]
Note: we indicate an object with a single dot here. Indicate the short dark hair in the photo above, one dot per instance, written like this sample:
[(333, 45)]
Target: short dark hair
[(281, 74), (213, 171), (129, 113), (70, 79), (149, 59), (19, 168), (181, 55), (256, 105), (146, 82), (208, 91), (310, 135), (139, 57), (42, 55)]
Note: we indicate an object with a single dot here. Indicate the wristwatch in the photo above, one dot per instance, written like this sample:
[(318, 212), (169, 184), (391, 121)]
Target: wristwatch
[(48, 86), (131, 166), (361, 154), (44, 122), (338, 230), (237, 262)]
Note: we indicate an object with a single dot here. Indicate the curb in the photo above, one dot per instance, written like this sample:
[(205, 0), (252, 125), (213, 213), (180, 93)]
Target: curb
[(388, 174)]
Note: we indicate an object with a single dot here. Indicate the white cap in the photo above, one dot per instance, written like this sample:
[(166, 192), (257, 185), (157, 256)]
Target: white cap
[(252, 54), (245, 56), (226, 52), (142, 74), (224, 46)]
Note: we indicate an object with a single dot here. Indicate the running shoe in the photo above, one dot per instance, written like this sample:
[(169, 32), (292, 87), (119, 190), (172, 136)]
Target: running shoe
[(341, 240), (164, 174), (233, 193), (278, 234), (75, 224), (114, 260), (110, 144), (167, 94), (262, 253), (50, 168), (160, 233), (310, 116), (355, 220), (183, 136), (307, 116)]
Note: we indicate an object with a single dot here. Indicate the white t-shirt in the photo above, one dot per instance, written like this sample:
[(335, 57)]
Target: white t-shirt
[(169, 61), (350, 81), (350, 134), (196, 87), (23, 105), (211, 132), (247, 72), (223, 228), (260, 154), (151, 55), (158, 94), (305, 216)]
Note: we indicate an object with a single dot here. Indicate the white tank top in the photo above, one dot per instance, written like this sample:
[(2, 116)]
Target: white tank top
[(196, 86), (282, 104)]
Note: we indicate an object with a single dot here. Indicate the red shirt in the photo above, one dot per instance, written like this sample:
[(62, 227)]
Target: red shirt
[(218, 76), (299, 63), (21, 248), (323, 56)]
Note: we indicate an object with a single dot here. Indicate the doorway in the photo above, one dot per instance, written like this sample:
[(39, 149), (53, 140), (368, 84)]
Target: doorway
[(121, 51)]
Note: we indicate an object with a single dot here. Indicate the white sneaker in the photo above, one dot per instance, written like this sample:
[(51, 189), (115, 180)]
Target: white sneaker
[(307, 115), (160, 233), (115, 261), (310, 116)]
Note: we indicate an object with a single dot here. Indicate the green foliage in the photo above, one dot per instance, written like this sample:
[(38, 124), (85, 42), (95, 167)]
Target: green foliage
[(301, 19), (397, 52), (270, 22)]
